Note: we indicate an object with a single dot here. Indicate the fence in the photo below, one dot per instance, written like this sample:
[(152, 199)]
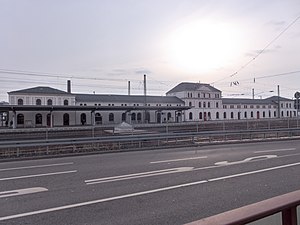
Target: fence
[(285, 204), (23, 148)]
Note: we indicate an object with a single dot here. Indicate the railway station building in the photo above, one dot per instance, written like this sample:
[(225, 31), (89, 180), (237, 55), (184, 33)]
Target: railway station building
[(50, 107)]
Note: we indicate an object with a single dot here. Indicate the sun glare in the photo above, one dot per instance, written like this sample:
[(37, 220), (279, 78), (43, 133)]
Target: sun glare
[(203, 46)]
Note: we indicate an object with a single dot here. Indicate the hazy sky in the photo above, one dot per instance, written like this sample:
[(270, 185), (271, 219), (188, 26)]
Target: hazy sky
[(101, 45)]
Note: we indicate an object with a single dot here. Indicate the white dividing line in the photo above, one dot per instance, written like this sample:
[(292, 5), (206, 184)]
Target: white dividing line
[(176, 160), (24, 191), (37, 166), (139, 193), (276, 150), (138, 175), (100, 200), (262, 157), (37, 175), (254, 172)]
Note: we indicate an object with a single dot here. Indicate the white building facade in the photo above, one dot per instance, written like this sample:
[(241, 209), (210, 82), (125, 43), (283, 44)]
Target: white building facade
[(207, 104), (185, 102)]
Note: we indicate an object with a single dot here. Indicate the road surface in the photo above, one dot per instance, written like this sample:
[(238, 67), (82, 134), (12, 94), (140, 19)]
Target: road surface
[(167, 186)]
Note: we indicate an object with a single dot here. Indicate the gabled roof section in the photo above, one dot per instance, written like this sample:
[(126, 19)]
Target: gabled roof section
[(188, 86), (40, 90), (127, 99), (275, 99), (270, 100)]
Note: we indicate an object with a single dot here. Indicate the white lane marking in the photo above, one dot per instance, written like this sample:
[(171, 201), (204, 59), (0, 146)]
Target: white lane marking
[(254, 172), (139, 193), (37, 175), (100, 200), (225, 163), (138, 175), (25, 191), (176, 160), (37, 166), (276, 150)]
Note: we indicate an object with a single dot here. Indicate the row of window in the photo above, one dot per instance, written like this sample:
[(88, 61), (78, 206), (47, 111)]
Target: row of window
[(39, 102), (204, 104), (207, 115), (83, 118), (203, 95), (137, 104)]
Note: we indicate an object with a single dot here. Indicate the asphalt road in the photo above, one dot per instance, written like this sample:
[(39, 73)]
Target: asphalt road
[(168, 186)]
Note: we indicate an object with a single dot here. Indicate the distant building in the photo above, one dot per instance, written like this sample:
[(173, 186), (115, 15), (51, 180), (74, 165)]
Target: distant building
[(46, 106), (207, 104), (70, 109)]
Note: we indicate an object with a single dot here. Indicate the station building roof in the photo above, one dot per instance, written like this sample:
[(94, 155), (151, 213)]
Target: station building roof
[(127, 99), (248, 101), (188, 86), (40, 90)]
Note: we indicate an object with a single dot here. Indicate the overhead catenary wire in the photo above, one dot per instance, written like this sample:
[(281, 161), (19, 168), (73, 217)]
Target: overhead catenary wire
[(260, 52)]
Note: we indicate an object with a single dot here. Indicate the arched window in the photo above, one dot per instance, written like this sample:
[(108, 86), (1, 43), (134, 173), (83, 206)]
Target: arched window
[(38, 119), (139, 117), (200, 116), (217, 115), (38, 102), (111, 117), (66, 119), (224, 115), (204, 104), (264, 114), (66, 102), (49, 102), (208, 105), (190, 104), (158, 117), (169, 115), (83, 118), (217, 104), (98, 118), (20, 119), (251, 114), (20, 101), (123, 116), (133, 116), (190, 116), (200, 105), (48, 119), (147, 117)]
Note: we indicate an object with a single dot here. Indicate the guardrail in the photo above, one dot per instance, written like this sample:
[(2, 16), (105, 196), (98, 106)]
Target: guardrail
[(285, 204), (135, 141)]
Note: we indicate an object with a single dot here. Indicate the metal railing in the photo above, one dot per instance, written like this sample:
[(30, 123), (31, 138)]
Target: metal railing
[(285, 204), (17, 148)]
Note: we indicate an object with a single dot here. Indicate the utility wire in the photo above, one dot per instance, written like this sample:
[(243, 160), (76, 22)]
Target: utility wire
[(260, 52)]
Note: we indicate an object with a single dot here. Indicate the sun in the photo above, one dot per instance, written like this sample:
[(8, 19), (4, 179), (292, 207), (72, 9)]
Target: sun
[(202, 46)]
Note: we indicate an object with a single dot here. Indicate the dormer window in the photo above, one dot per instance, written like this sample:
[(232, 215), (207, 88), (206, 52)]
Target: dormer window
[(66, 102), (49, 102), (20, 101), (38, 102)]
